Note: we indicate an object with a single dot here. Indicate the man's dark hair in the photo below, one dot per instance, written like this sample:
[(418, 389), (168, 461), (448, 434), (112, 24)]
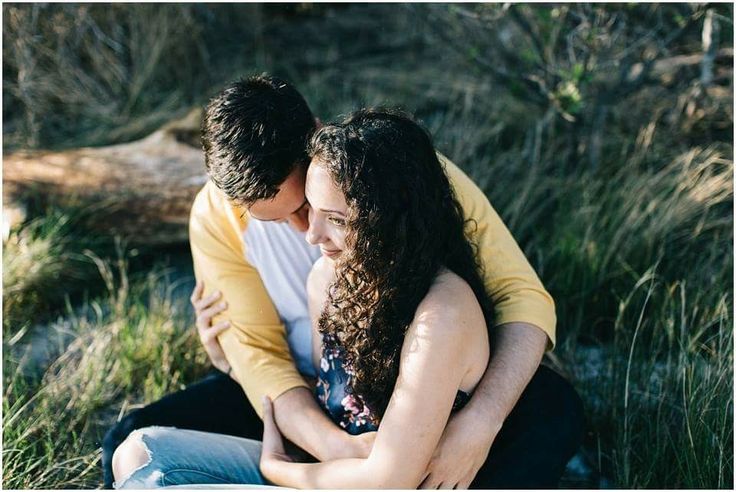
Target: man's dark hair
[(254, 134)]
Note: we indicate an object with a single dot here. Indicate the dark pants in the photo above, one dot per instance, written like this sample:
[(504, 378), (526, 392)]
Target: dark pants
[(539, 437)]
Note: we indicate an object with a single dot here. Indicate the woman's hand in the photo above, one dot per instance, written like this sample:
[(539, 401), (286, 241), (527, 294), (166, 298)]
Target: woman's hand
[(273, 452), (205, 309)]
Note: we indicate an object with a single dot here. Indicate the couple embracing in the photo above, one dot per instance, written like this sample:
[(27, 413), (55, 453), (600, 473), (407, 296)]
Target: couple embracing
[(373, 322)]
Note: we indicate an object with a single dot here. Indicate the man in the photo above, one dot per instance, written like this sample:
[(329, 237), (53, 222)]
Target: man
[(247, 238)]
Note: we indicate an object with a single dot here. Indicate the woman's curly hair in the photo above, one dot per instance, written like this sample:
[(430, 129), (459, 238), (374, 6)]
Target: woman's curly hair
[(403, 225)]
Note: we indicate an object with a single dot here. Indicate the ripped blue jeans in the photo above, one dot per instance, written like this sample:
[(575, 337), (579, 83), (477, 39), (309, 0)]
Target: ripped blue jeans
[(187, 457)]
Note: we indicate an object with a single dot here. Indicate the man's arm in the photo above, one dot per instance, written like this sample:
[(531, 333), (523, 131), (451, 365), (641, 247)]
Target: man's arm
[(516, 351), (255, 344), (304, 423), (516, 292), (524, 325)]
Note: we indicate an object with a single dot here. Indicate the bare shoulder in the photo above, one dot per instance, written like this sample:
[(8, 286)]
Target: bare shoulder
[(449, 311), (320, 277), (452, 299), (448, 328)]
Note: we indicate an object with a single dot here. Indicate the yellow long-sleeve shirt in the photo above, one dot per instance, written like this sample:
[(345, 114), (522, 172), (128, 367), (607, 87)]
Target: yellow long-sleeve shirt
[(256, 344)]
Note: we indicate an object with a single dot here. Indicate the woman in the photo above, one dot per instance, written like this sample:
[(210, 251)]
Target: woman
[(397, 302)]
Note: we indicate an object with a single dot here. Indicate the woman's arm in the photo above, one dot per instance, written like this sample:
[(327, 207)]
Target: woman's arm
[(439, 351)]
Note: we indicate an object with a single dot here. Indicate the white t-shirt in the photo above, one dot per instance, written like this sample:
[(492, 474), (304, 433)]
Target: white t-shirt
[(284, 258)]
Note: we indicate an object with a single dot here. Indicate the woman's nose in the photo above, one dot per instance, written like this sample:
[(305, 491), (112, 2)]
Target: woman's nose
[(314, 232)]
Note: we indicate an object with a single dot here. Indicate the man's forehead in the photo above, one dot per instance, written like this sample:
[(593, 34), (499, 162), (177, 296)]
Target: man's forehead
[(289, 199), (276, 208)]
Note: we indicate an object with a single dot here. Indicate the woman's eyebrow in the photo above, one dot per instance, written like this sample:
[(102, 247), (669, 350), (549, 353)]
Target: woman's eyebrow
[(331, 211)]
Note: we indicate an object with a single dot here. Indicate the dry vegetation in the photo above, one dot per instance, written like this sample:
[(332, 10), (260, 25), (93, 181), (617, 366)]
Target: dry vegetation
[(602, 135)]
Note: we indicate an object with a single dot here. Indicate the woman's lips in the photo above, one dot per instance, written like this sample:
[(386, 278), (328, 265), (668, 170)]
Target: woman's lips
[(328, 252)]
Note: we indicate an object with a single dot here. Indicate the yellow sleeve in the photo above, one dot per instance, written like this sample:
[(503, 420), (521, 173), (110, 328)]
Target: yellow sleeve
[(255, 345), (515, 289)]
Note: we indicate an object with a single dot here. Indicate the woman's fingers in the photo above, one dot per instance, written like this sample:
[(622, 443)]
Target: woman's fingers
[(208, 335), (429, 483), (208, 301), (204, 317), (272, 442), (465, 483), (197, 292), (205, 309)]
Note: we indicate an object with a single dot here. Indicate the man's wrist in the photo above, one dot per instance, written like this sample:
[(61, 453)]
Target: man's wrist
[(334, 444), (485, 413), (303, 422), (517, 350)]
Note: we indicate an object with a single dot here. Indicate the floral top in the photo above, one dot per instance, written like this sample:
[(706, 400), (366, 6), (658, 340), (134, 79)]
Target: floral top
[(346, 409)]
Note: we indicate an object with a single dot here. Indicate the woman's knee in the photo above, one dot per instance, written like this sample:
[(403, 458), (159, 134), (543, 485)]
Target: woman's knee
[(122, 429), (156, 456), (132, 455)]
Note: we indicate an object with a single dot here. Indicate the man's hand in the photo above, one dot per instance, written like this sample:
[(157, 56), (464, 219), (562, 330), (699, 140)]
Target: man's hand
[(461, 452), (205, 309), (516, 350)]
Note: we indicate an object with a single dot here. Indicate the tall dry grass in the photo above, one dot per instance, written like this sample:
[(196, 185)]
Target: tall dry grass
[(88, 74), (639, 261), (63, 387), (636, 252)]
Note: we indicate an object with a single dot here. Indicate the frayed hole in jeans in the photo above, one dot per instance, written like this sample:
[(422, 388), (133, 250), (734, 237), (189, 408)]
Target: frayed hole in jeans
[(136, 439)]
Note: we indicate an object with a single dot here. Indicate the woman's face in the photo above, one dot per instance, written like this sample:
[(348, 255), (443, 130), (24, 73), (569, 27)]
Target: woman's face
[(327, 213)]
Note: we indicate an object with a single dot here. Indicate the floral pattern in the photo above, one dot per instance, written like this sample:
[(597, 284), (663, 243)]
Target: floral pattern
[(333, 392), (345, 408)]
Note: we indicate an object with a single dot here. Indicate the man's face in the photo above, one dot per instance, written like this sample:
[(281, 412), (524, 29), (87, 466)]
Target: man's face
[(289, 205)]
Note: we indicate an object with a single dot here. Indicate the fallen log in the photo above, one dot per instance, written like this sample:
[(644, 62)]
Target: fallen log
[(143, 189)]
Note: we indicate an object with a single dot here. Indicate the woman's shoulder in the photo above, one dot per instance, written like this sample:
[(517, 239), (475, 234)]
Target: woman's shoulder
[(321, 276), (449, 308), (450, 293), (449, 326)]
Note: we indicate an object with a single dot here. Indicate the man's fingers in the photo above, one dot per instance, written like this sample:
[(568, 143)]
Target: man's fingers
[(424, 479), (428, 483), (467, 481), (197, 292), (207, 301)]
